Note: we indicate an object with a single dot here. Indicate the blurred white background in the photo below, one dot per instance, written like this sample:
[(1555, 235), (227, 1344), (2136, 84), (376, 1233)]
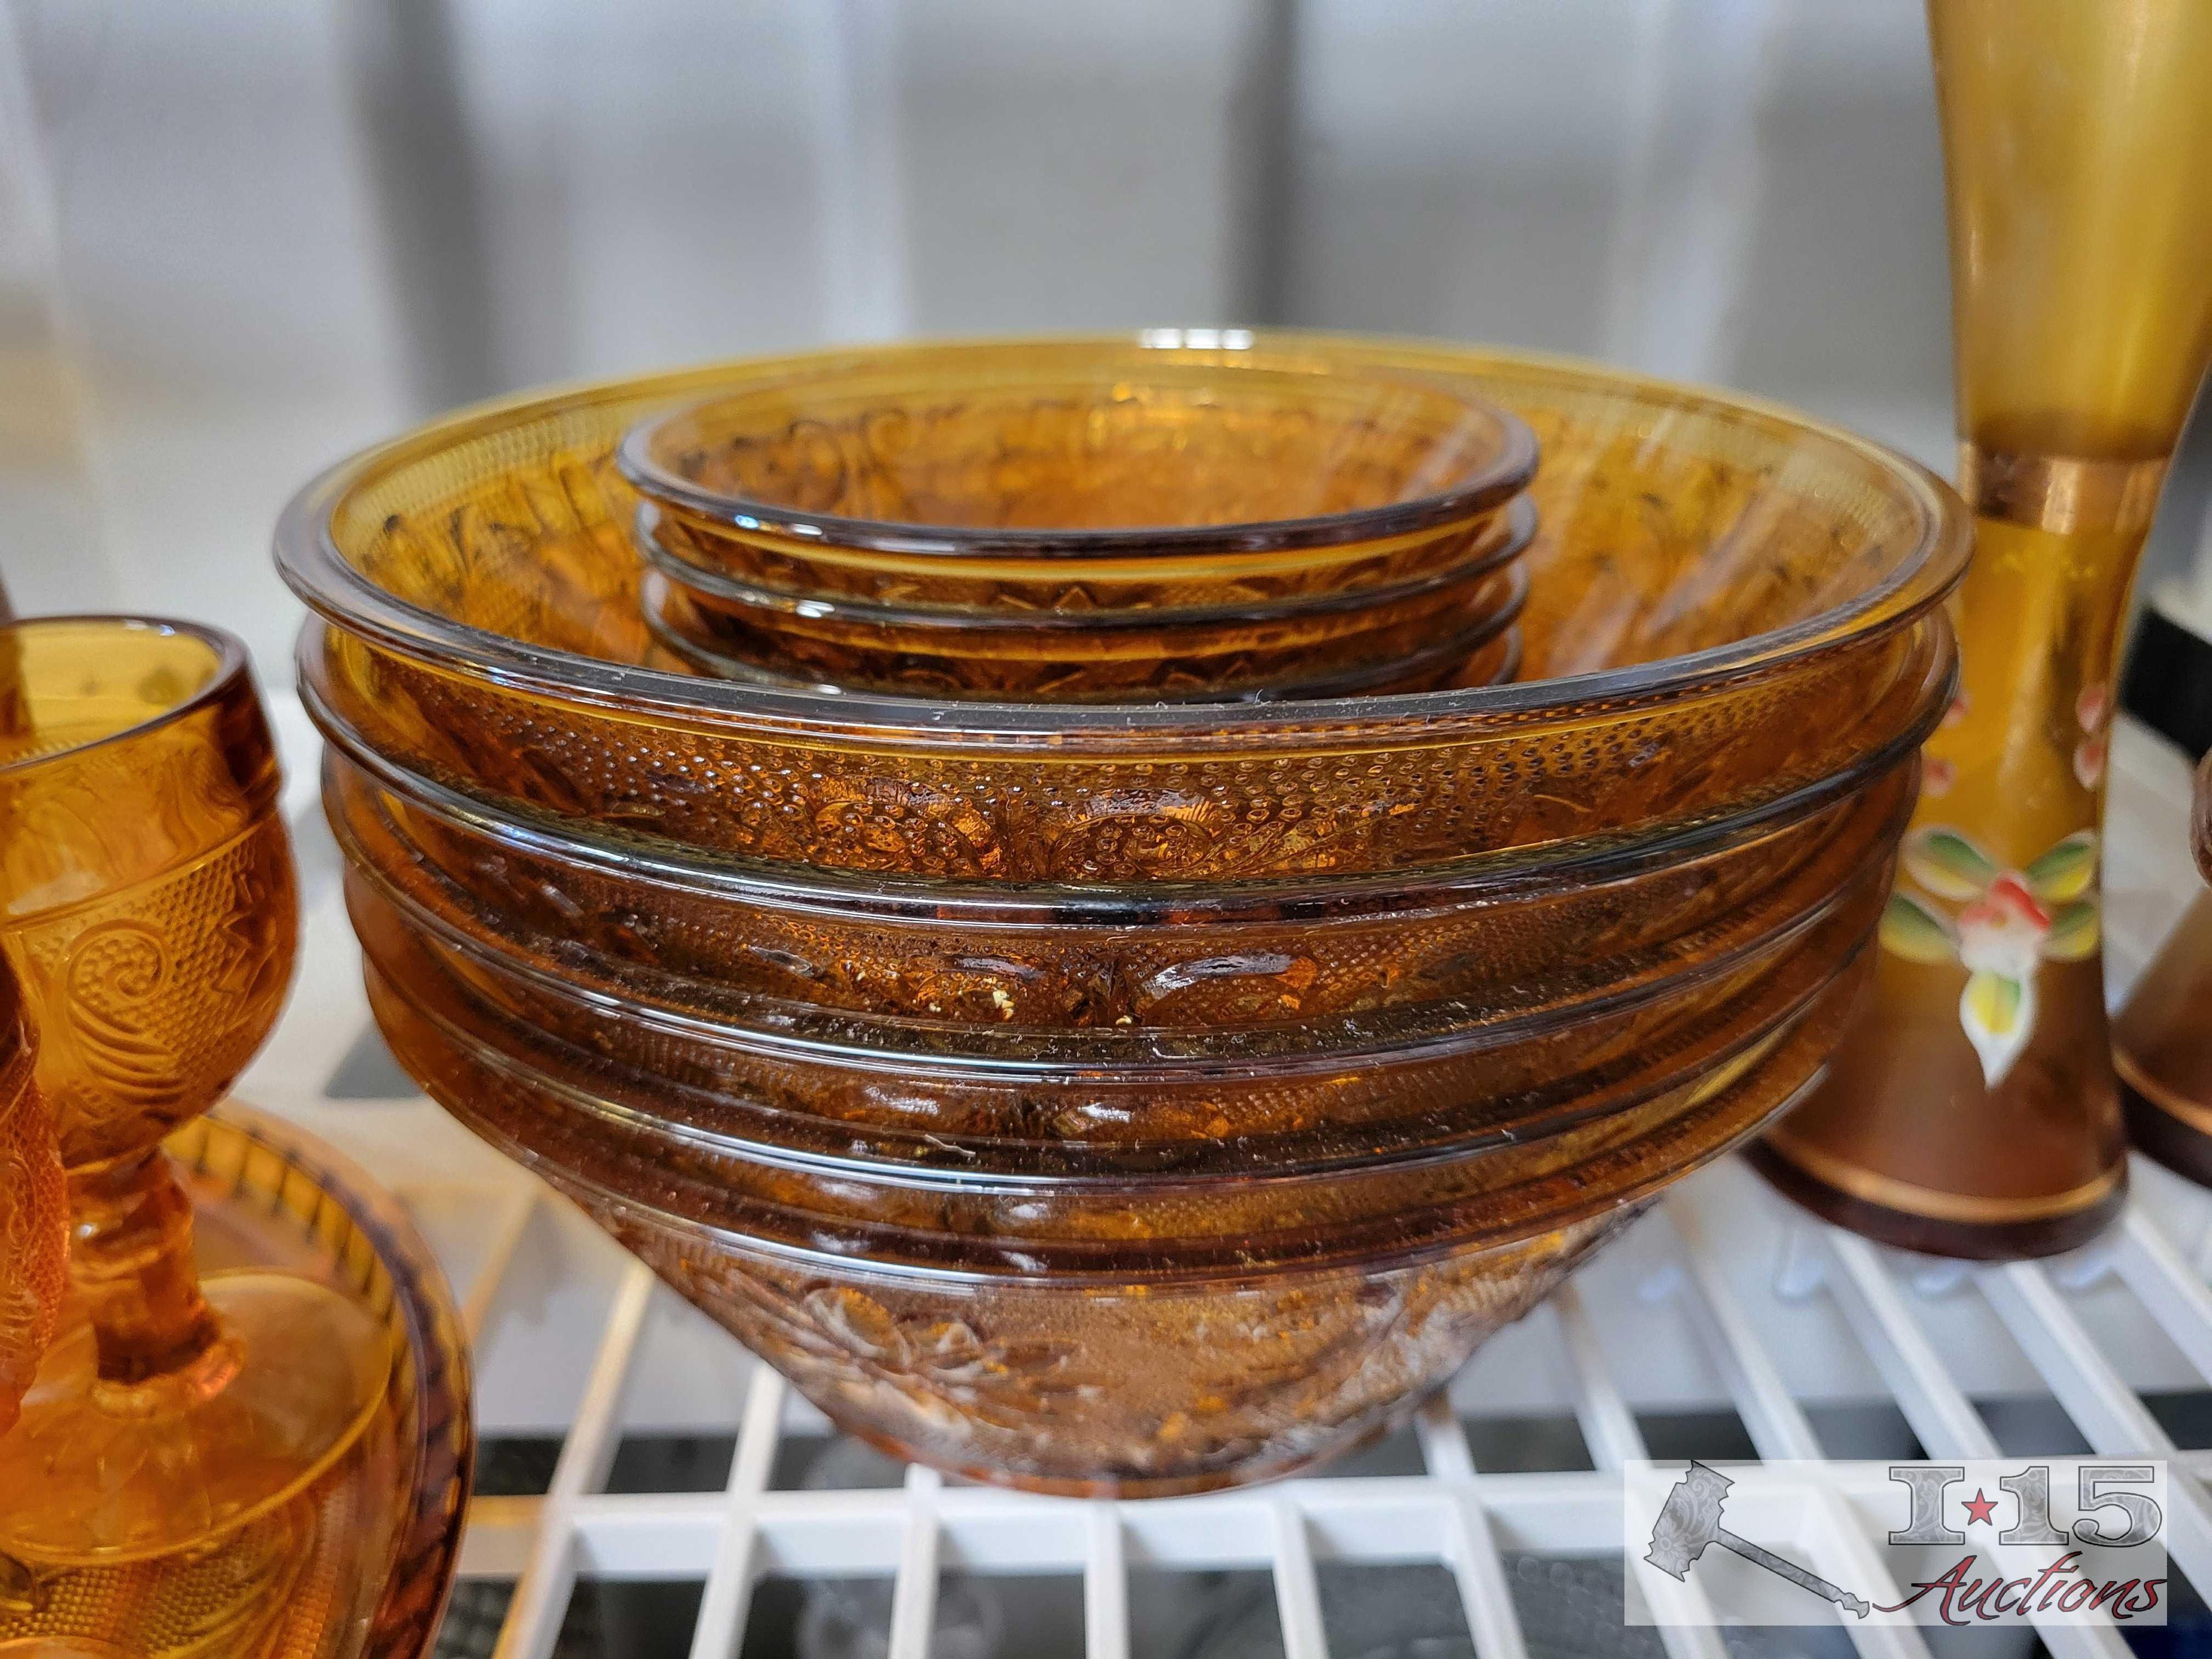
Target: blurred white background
[(238, 239)]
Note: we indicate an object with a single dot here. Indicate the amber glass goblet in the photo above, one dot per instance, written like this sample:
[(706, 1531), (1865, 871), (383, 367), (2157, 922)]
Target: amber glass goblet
[(1975, 1113), (150, 913), (34, 1225)]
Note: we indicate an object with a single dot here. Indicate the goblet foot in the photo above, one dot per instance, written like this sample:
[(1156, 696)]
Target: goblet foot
[(101, 1473)]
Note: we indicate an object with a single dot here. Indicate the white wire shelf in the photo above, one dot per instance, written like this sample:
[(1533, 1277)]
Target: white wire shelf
[(1724, 1300)]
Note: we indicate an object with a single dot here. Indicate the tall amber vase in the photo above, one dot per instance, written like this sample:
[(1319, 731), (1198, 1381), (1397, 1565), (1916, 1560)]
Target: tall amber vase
[(1974, 1111)]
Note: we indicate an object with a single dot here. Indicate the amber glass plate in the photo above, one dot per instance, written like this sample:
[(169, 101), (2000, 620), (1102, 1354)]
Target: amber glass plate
[(359, 1565)]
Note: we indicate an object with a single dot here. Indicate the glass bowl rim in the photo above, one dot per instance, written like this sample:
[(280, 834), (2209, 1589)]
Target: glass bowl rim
[(1161, 1267), (230, 663), (1452, 656), (1504, 474), (1282, 1157), (1407, 1035), (310, 560), (1316, 898), (956, 622)]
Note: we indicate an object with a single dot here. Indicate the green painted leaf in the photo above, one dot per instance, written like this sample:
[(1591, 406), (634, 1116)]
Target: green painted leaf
[(2066, 871), (1946, 864), (2074, 932), (1910, 929)]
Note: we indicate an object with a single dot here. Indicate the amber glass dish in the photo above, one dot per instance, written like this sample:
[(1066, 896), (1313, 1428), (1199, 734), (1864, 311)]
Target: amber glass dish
[(1115, 1097), (1728, 605), (1086, 520), (1409, 635), (1120, 1363), (711, 935), (1499, 1056), (1474, 643), (358, 1566), (1078, 475)]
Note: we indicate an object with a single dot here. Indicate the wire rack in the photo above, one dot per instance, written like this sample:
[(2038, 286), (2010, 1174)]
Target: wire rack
[(1724, 1302)]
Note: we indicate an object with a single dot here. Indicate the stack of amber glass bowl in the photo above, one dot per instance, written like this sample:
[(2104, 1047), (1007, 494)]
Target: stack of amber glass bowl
[(1115, 1096), (1076, 522)]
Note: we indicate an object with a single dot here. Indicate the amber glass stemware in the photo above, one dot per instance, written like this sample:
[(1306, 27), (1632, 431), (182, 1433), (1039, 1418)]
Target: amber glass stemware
[(33, 1226), (1975, 1112), (149, 912)]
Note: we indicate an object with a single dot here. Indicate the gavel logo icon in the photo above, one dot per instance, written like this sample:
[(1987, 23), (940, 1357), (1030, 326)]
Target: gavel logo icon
[(1690, 1521)]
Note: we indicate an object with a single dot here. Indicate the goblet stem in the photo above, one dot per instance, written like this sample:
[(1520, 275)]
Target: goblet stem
[(132, 1264)]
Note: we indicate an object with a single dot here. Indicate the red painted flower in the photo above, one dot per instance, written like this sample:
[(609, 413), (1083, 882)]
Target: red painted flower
[(2002, 932)]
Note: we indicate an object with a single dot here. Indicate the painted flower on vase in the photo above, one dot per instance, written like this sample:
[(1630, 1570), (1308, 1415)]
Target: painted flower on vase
[(2009, 924), (2093, 712)]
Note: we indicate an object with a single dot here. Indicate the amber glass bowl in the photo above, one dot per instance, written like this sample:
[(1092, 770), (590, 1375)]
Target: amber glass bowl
[(1476, 645), (1130, 1340), (714, 935), (1727, 607), (1079, 475), (1085, 520), (1413, 635), (1231, 1066), (1119, 1097)]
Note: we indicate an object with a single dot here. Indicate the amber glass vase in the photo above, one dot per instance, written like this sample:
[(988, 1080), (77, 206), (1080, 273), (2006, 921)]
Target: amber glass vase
[(1975, 1112), (147, 906)]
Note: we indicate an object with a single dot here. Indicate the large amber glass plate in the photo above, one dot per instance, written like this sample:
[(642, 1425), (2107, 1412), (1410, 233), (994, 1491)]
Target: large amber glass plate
[(358, 1566)]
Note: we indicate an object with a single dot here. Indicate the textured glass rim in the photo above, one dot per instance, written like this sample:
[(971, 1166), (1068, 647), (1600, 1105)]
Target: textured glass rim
[(954, 622), (912, 900), (1285, 1156), (308, 557), (230, 663), (1505, 474), (1196, 1275), (1402, 1036), (1452, 657)]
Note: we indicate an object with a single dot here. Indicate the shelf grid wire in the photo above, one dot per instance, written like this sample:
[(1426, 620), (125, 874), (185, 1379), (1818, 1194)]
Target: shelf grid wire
[(1452, 1515)]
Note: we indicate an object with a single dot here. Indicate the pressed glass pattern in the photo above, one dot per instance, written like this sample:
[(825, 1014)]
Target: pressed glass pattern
[(150, 917), (357, 1565), (1118, 1096), (33, 1207)]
